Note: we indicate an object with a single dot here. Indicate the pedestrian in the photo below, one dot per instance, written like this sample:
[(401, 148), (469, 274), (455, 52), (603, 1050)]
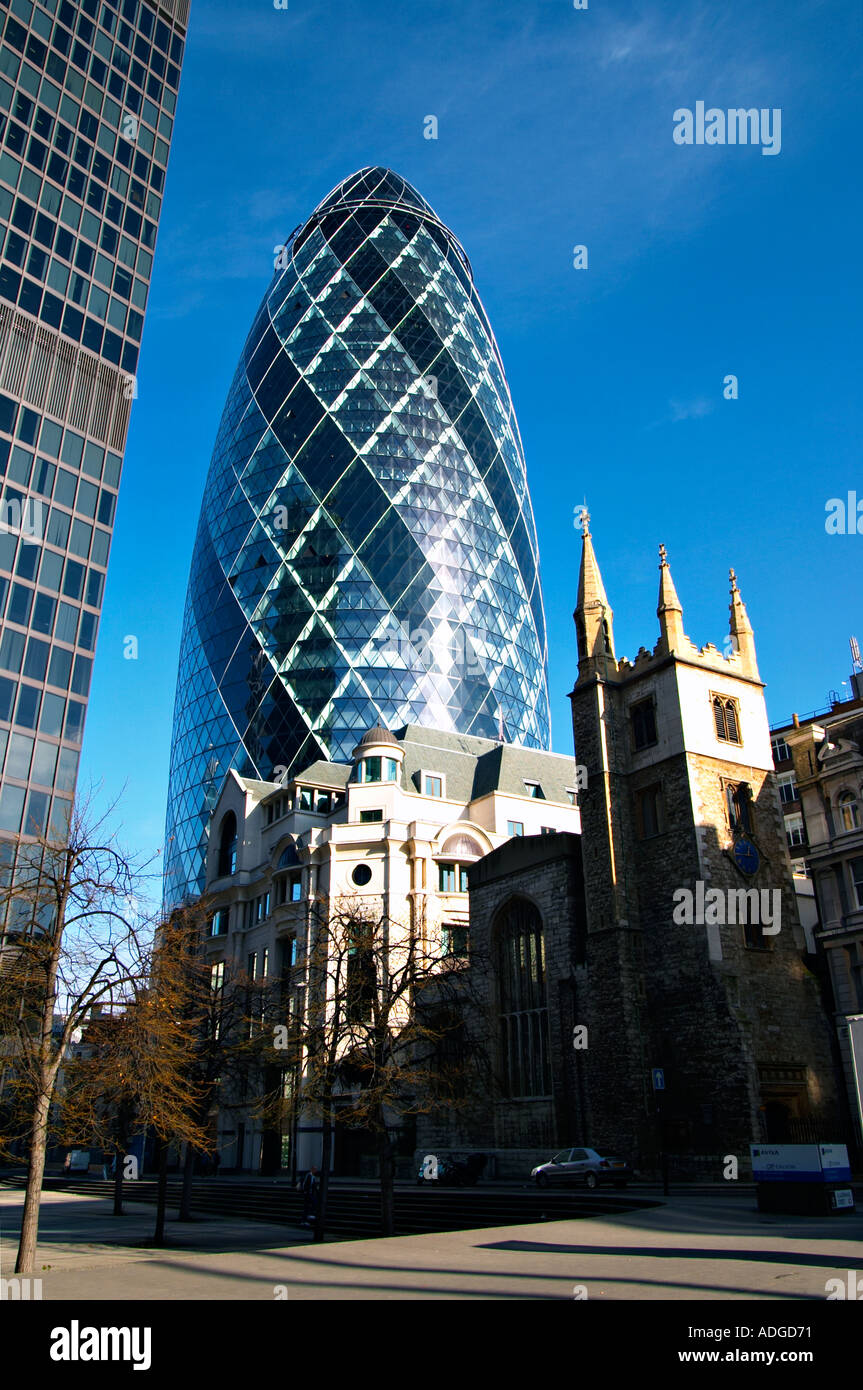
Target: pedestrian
[(310, 1197)]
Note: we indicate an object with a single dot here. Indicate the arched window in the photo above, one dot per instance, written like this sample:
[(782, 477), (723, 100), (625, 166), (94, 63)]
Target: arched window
[(461, 851), (523, 1007), (228, 845), (849, 811), (738, 796), (726, 719)]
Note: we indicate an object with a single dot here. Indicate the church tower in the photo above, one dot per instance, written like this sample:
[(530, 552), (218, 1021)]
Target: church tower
[(695, 962)]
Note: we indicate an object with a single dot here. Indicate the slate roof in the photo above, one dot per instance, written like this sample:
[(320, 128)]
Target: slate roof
[(473, 767)]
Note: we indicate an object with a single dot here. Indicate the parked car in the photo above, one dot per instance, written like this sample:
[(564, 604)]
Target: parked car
[(582, 1165)]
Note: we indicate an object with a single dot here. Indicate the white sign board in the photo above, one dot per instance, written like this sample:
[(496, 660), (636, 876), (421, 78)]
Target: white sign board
[(799, 1162), (834, 1162)]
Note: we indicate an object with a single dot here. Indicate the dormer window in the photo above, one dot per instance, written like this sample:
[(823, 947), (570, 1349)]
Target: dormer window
[(432, 784), (535, 790)]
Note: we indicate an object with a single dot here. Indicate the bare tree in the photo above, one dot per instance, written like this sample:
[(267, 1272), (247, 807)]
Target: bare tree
[(382, 1033), (135, 1067), (74, 940)]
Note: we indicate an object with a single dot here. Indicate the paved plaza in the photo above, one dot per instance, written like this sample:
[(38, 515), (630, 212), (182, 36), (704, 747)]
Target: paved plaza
[(700, 1246)]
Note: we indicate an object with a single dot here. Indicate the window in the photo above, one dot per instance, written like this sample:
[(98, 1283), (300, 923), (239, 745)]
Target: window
[(370, 770), (753, 932), (643, 718), (361, 979), (265, 963), (371, 817), (788, 788), (570, 795), (849, 812), (523, 1008), (794, 831), (781, 751), (738, 797), (535, 790), (252, 964), (649, 811), (547, 830), (276, 809), (515, 827), (446, 878), (290, 888), (857, 879), (450, 875), (228, 845), (378, 769), (362, 875), (306, 799), (726, 718), (455, 939), (219, 922), (217, 977), (324, 804), (432, 785)]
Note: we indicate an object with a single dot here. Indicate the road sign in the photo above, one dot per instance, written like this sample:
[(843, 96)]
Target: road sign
[(658, 1075)]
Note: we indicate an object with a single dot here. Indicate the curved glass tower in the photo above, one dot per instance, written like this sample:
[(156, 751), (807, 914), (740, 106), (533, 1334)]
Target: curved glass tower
[(366, 552)]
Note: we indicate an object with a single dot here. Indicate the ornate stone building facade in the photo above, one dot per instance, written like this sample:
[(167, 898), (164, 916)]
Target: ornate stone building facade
[(824, 762), (666, 938)]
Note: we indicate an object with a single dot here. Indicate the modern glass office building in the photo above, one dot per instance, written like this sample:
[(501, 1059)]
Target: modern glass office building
[(87, 101), (366, 551)]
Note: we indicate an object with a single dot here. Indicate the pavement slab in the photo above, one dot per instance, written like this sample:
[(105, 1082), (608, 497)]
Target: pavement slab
[(692, 1248)]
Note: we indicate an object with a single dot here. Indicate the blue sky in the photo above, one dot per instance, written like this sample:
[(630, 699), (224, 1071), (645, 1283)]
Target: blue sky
[(555, 130)]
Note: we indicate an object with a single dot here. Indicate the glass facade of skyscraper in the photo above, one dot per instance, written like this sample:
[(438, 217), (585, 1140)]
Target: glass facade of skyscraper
[(88, 93), (366, 551)]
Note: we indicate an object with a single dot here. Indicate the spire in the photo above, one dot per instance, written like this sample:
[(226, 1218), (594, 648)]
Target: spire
[(669, 610), (742, 636), (593, 615)]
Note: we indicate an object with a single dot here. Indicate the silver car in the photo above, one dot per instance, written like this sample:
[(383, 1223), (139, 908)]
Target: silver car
[(582, 1165)]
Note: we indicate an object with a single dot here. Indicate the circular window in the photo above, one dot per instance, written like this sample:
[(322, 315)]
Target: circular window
[(361, 875)]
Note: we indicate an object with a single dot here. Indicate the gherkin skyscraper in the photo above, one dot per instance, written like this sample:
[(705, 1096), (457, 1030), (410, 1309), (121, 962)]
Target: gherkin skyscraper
[(366, 552)]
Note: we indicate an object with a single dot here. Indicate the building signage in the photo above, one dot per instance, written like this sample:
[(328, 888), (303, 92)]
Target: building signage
[(800, 1162)]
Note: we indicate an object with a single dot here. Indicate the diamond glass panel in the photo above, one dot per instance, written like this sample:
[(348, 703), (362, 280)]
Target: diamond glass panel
[(366, 552)]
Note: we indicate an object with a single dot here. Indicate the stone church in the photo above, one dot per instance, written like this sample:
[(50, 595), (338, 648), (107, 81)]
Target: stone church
[(648, 986)]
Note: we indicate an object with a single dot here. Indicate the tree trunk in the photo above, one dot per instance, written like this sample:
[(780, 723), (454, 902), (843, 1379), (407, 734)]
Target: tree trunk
[(161, 1195), (35, 1173), (119, 1159), (186, 1195), (324, 1185), (385, 1164)]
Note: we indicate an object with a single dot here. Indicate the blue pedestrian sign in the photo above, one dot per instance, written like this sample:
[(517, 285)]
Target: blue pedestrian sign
[(658, 1079)]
